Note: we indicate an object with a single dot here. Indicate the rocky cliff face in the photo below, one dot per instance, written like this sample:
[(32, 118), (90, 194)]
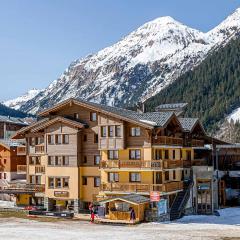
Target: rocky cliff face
[(138, 66)]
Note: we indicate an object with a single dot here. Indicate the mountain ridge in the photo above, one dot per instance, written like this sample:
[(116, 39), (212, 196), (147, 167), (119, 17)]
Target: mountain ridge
[(137, 67)]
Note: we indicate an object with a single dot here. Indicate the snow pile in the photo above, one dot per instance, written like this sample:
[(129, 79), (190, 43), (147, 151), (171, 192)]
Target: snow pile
[(6, 204)]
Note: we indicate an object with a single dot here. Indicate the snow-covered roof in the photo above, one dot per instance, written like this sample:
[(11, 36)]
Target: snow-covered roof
[(14, 120)]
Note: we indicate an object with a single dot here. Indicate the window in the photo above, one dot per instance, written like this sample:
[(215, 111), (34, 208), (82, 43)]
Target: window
[(5, 161), (96, 181), (104, 131), (5, 176), (135, 132), (32, 179), (58, 139), (38, 179), (50, 139), (32, 160), (113, 154), (57, 161), (51, 160), (38, 160), (118, 131), (84, 180), (50, 182), (111, 131), (85, 159), (167, 176), (135, 154), (95, 138), (134, 177), (85, 137), (158, 154), (76, 116), (65, 160), (93, 116), (113, 177), (174, 174), (174, 154), (96, 160), (65, 182), (65, 139), (58, 183), (32, 141), (166, 154)]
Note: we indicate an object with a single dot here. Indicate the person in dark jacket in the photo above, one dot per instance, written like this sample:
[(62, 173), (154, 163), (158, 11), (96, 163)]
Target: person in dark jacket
[(132, 215)]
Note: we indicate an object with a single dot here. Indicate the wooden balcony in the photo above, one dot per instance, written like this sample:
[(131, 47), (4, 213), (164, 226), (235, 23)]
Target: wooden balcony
[(164, 140), (197, 143), (39, 149), (21, 169), (23, 188), (141, 188), (139, 164), (39, 169), (21, 150), (171, 164), (199, 162)]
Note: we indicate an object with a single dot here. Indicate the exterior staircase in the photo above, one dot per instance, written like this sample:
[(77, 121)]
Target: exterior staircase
[(178, 206)]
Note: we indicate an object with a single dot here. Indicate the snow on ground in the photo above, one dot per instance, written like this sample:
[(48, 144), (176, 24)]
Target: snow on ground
[(235, 115), (7, 204), (189, 227)]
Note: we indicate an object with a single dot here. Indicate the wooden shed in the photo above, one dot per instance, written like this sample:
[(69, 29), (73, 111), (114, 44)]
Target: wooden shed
[(119, 207)]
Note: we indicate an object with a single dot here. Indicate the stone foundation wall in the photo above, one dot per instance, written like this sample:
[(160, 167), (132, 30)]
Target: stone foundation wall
[(152, 216)]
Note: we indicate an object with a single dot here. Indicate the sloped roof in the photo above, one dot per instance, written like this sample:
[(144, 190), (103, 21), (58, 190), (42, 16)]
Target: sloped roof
[(45, 124), (14, 120), (188, 123), (131, 198), (11, 143), (149, 119)]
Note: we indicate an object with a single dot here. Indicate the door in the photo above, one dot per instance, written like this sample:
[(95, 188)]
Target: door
[(204, 197)]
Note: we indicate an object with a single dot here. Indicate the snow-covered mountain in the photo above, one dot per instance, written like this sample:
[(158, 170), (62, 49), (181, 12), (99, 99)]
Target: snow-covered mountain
[(138, 66), (19, 101)]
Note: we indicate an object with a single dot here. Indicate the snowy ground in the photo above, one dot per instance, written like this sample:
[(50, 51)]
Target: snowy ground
[(226, 227)]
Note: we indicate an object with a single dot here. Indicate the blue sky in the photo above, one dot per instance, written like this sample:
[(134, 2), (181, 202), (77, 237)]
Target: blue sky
[(39, 39)]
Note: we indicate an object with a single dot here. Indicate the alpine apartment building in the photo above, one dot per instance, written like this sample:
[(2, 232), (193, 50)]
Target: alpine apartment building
[(80, 152)]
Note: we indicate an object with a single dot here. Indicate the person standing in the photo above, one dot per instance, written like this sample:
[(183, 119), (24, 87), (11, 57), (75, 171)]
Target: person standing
[(132, 215)]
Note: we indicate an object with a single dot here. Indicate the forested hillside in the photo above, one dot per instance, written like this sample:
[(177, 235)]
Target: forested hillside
[(212, 89), (6, 111)]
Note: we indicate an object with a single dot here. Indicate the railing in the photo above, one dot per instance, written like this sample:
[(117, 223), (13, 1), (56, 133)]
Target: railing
[(21, 169), (199, 162), (170, 164), (138, 187), (21, 150), (39, 169), (23, 187), (173, 186), (39, 149), (163, 140), (154, 164), (197, 143)]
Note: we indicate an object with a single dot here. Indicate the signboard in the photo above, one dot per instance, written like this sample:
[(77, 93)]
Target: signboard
[(162, 207), (61, 194), (154, 196)]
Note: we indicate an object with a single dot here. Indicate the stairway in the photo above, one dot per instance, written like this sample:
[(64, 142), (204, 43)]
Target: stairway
[(178, 206)]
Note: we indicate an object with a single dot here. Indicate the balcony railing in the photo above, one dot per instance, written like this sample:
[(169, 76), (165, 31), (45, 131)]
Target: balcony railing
[(171, 164), (164, 140), (197, 143), (21, 169), (39, 169), (199, 162), (39, 149), (23, 188), (141, 188), (154, 164), (21, 150)]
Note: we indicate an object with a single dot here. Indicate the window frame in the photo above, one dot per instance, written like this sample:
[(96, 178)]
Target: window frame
[(97, 181), (114, 155), (113, 177), (93, 119), (135, 132), (103, 131), (135, 156), (135, 178)]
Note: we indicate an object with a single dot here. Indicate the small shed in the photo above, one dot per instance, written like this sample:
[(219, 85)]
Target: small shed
[(119, 207)]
